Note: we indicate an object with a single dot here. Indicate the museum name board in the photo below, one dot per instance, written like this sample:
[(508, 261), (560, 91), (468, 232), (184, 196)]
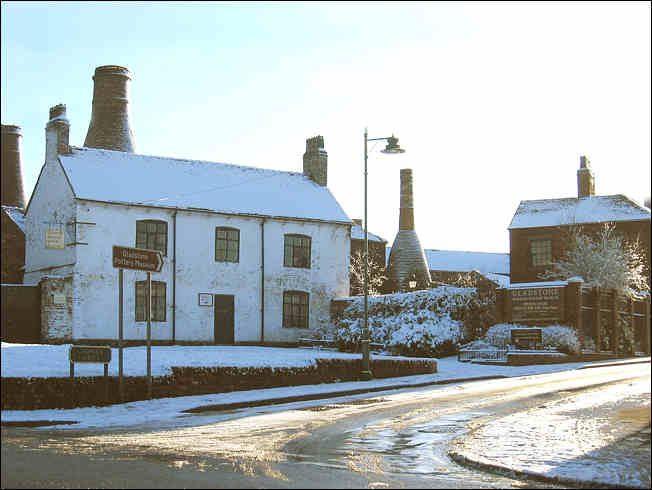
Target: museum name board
[(537, 305)]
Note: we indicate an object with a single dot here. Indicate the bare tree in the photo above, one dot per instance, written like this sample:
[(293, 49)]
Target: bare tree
[(607, 260), (376, 273)]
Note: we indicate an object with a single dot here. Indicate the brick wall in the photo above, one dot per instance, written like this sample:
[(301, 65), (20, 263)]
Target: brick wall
[(21, 319), (66, 392), (13, 251), (519, 240)]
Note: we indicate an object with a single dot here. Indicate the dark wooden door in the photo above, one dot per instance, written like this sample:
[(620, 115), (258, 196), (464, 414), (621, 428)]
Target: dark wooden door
[(224, 319)]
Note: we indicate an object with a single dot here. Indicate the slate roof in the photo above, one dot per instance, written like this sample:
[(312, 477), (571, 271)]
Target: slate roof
[(128, 178), (460, 261), (17, 215), (357, 233), (566, 211)]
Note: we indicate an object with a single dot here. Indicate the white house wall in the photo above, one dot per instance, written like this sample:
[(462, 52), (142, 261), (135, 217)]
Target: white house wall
[(96, 285), (51, 207)]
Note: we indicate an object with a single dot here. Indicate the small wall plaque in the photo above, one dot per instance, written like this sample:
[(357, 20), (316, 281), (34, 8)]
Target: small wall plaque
[(54, 239), (59, 299), (205, 299)]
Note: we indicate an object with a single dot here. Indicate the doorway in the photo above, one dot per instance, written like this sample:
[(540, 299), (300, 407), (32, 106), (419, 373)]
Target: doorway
[(224, 319)]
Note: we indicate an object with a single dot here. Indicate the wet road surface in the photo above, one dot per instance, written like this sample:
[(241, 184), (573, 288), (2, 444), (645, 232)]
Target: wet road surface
[(388, 440)]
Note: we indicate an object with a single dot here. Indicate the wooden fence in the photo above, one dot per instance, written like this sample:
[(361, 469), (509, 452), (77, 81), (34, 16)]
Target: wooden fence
[(603, 320)]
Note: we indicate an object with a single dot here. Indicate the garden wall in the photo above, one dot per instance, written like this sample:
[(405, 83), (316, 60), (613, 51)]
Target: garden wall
[(67, 392)]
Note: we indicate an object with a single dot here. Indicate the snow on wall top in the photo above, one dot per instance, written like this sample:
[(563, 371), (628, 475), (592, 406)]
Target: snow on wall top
[(128, 178), (501, 280), (17, 215), (593, 209), (458, 261), (357, 233)]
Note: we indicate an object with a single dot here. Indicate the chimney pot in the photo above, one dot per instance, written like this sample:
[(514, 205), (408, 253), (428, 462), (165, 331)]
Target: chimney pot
[(12, 178)]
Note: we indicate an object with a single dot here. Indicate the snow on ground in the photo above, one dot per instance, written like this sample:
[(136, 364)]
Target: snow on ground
[(35, 360)]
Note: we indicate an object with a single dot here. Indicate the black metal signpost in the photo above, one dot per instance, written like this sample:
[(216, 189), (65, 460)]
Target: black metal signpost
[(141, 260)]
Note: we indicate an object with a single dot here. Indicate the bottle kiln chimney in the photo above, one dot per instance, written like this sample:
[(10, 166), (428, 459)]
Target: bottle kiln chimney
[(12, 177), (109, 127)]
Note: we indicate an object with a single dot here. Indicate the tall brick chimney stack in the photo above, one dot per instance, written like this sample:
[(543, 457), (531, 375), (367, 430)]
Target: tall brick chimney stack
[(12, 177), (57, 132), (407, 260), (315, 160), (109, 127), (585, 179), (406, 213)]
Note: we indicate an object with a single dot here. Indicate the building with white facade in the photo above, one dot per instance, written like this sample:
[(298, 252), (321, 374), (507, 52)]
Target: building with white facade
[(250, 255)]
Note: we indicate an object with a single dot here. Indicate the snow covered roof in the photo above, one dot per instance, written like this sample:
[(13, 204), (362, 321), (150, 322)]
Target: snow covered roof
[(459, 261), (357, 233), (17, 215), (566, 211), (128, 178), (500, 279)]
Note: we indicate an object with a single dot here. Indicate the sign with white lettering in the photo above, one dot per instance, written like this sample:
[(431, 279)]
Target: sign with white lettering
[(536, 304), (139, 259), (54, 239)]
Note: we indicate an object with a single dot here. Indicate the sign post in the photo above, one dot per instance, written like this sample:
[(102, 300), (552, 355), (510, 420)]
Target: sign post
[(149, 335), (139, 259), (91, 353), (120, 338)]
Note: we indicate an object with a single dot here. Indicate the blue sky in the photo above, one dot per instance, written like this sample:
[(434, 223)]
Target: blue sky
[(494, 102)]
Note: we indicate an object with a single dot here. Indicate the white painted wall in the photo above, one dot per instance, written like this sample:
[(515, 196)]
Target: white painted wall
[(51, 206), (96, 281)]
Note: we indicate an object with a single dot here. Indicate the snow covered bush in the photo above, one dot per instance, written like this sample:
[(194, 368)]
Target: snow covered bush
[(559, 337), (422, 323)]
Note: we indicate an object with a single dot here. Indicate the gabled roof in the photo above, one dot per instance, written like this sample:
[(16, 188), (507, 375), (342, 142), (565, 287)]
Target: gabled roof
[(357, 233), (17, 215), (459, 261), (128, 178), (567, 211)]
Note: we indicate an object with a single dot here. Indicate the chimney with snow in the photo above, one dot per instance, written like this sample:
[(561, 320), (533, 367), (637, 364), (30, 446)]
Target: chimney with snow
[(315, 160), (109, 127), (57, 133), (407, 267), (585, 179), (12, 177)]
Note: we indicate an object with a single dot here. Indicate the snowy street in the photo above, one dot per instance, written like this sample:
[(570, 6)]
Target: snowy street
[(397, 437)]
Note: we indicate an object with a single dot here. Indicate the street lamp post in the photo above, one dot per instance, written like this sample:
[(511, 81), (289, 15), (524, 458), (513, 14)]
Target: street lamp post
[(392, 147)]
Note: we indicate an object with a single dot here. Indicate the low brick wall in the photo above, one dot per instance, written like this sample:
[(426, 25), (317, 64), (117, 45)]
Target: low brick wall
[(66, 392), (530, 359)]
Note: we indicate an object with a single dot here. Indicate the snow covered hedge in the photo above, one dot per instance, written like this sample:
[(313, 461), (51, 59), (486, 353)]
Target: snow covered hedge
[(424, 323), (559, 337)]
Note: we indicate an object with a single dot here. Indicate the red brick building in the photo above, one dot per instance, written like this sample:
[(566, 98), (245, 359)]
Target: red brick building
[(538, 232), (13, 207)]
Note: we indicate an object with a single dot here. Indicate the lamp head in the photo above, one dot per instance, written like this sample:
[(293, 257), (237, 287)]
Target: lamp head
[(392, 146)]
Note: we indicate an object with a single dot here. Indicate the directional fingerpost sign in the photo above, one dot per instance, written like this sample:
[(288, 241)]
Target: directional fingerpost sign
[(138, 259)]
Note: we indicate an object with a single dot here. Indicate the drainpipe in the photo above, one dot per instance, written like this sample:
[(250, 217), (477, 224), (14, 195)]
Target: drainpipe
[(174, 276), (262, 280)]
